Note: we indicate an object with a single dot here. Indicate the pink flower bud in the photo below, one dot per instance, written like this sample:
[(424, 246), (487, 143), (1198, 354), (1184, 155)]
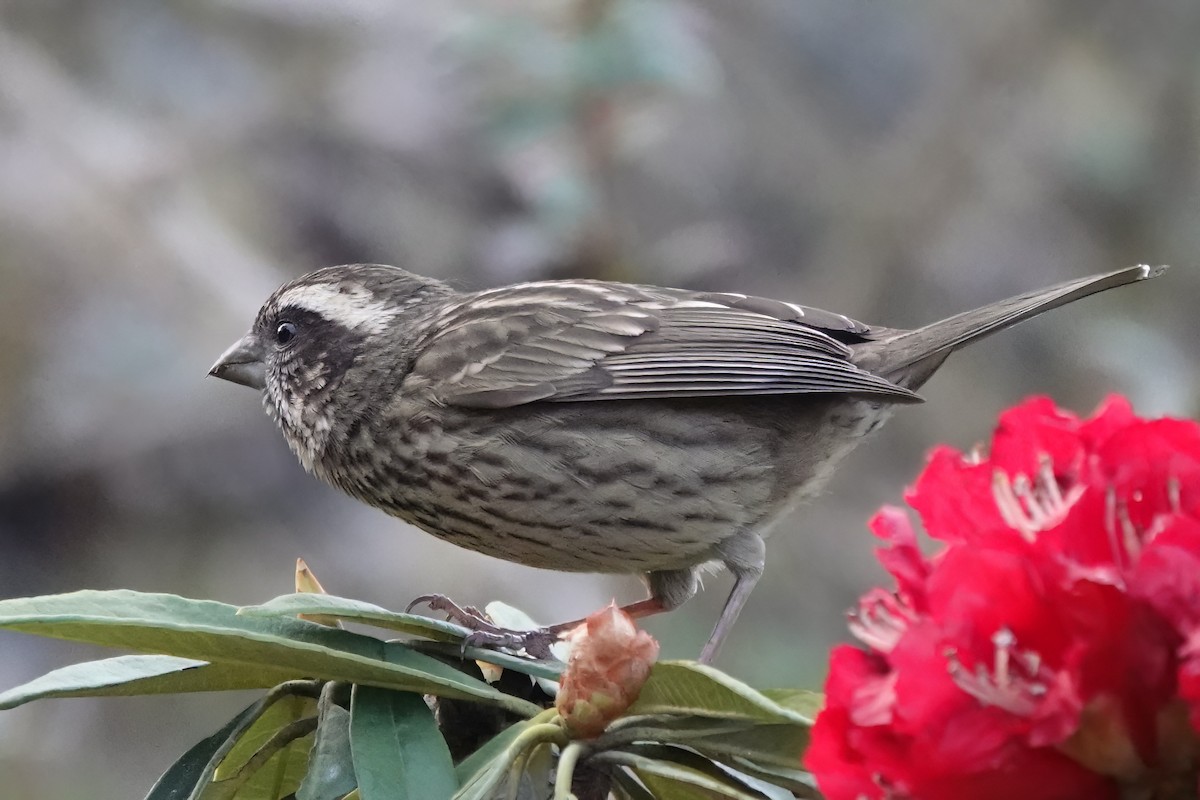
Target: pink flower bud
[(610, 661)]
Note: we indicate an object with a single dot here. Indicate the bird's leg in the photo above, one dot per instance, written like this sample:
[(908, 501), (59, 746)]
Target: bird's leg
[(745, 556), (668, 590)]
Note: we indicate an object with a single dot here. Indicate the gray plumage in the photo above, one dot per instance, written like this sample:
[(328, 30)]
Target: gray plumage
[(588, 426)]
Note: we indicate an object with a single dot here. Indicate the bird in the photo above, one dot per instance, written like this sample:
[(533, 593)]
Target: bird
[(590, 426)]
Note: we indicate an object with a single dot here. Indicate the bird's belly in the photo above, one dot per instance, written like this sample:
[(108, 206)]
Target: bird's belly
[(813, 444), (618, 487)]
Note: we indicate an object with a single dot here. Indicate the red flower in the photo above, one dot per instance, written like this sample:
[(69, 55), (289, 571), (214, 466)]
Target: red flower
[(610, 661), (1051, 649)]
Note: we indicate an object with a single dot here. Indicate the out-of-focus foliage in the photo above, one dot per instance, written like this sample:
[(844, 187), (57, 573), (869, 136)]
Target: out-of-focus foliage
[(163, 165)]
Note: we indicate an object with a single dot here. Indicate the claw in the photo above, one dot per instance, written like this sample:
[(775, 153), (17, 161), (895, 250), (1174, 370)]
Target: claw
[(467, 616), (486, 634)]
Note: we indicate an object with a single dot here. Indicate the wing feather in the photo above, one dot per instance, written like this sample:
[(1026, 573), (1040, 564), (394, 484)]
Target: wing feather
[(565, 341)]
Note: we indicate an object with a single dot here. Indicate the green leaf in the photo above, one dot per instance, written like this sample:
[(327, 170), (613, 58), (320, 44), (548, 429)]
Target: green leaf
[(281, 713), (696, 765), (781, 745), (182, 777), (210, 631), (483, 784), (764, 787), (440, 632), (487, 769), (330, 774), (627, 788), (770, 752), (259, 765), (399, 753), (549, 670), (668, 780), (685, 687), (278, 776), (797, 781), (773, 743), (493, 748), (138, 675), (803, 701), (291, 605)]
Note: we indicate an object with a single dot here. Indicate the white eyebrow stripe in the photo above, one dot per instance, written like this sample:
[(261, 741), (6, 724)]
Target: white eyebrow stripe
[(354, 307)]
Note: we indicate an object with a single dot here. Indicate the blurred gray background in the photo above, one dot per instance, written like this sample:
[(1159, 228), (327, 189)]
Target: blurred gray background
[(164, 164)]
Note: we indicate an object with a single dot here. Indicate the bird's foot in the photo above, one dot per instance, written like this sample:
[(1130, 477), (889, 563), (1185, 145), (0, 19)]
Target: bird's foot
[(485, 633), (467, 616)]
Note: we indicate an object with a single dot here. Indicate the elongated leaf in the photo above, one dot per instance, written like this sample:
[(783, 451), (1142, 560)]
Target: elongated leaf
[(485, 772), (399, 753), (769, 746), (279, 715), (291, 605), (484, 783), (210, 631), (803, 701), (685, 687), (677, 777), (797, 781), (440, 632), (695, 766), (138, 675), (330, 774), (767, 788), (258, 766), (181, 778), (626, 787), (279, 776), (780, 745), (491, 750), (547, 670), (670, 781)]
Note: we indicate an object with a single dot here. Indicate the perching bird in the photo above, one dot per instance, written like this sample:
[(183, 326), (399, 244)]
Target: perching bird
[(588, 426)]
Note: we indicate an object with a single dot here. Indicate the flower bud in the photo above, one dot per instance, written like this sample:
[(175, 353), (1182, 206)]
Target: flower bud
[(610, 661), (307, 583)]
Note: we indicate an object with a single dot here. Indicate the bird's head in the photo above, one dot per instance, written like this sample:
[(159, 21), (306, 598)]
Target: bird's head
[(322, 343)]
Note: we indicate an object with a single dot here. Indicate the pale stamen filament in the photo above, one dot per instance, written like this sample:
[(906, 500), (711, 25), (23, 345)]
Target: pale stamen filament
[(1124, 538), (1031, 507), (880, 621), (1010, 508), (1047, 480), (1011, 683)]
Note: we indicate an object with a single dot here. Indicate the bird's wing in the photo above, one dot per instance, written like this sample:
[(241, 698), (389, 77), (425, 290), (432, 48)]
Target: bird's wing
[(581, 340)]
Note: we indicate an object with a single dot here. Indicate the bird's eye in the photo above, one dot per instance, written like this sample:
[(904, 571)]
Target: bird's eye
[(285, 332)]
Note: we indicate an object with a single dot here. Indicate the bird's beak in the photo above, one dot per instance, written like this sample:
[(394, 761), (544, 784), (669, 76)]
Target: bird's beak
[(242, 363)]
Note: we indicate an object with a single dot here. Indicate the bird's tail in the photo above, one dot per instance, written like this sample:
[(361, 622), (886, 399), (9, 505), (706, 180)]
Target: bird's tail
[(910, 357)]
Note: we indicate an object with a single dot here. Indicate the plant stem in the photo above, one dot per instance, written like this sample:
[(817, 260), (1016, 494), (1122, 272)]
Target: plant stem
[(566, 770)]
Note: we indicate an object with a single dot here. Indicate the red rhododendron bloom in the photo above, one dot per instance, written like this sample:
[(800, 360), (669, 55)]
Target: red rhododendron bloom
[(1051, 648)]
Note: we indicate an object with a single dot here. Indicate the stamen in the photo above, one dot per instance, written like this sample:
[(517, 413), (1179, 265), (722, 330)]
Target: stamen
[(1110, 523), (1003, 640), (1011, 684), (1174, 495), (1133, 541), (881, 620), (1047, 480), (1030, 507), (1009, 507), (1124, 538)]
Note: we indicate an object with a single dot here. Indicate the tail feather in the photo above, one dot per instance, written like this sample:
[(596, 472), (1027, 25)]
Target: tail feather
[(910, 357)]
